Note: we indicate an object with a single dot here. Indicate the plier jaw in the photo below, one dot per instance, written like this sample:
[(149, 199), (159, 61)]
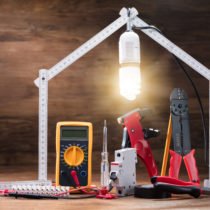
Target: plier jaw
[(180, 121), (148, 133)]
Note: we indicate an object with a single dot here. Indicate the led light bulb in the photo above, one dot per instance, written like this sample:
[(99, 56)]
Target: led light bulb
[(129, 59)]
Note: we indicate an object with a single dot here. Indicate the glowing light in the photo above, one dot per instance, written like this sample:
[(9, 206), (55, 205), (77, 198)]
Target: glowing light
[(130, 82), (129, 59)]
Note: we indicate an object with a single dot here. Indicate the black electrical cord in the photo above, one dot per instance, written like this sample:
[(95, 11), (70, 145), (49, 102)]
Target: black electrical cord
[(47, 196), (200, 106), (149, 27), (194, 88)]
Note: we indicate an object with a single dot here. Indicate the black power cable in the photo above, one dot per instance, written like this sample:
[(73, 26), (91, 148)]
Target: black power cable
[(200, 106), (194, 88)]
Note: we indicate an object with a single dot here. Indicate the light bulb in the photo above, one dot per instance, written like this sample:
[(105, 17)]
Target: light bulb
[(129, 59), (129, 82)]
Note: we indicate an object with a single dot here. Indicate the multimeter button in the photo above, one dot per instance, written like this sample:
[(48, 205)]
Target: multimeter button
[(83, 173), (63, 173)]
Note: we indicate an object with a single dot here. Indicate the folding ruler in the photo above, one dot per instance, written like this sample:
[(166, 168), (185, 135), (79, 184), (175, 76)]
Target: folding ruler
[(42, 180), (129, 17)]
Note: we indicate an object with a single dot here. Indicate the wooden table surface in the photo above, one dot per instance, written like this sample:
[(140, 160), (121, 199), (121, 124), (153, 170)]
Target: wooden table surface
[(8, 203)]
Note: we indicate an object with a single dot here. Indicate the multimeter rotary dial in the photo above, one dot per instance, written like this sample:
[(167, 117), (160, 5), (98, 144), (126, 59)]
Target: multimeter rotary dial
[(74, 156)]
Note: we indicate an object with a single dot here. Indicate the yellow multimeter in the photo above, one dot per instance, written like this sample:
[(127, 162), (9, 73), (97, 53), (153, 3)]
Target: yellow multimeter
[(74, 153)]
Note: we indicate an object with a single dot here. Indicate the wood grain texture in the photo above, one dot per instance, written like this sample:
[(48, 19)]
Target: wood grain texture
[(36, 34), (176, 202)]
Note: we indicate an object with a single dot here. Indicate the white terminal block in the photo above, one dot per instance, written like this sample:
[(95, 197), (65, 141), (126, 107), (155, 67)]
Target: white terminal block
[(206, 183), (33, 183), (124, 168), (60, 191)]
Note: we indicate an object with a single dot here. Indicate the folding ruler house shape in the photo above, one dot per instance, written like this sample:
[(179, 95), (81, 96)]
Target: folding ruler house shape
[(126, 17)]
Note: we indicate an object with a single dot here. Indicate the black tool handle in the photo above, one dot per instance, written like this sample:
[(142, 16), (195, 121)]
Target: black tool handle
[(33, 196), (178, 189), (150, 133)]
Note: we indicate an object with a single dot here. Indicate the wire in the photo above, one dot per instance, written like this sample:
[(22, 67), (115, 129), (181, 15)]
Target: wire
[(78, 197), (149, 27), (194, 88), (200, 106), (88, 192)]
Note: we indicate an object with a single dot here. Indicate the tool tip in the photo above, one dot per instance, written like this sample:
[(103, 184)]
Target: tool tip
[(104, 122)]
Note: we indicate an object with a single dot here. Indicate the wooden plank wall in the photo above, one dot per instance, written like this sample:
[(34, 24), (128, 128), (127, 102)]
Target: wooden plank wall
[(36, 34)]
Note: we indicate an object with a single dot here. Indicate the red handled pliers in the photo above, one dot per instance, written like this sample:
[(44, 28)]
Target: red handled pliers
[(181, 143)]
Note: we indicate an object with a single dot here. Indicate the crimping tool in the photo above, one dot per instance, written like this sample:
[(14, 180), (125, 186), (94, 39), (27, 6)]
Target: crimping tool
[(181, 144), (181, 137)]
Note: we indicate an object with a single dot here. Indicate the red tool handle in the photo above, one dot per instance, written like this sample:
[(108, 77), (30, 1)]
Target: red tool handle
[(175, 163), (191, 167), (75, 178), (171, 180), (136, 135)]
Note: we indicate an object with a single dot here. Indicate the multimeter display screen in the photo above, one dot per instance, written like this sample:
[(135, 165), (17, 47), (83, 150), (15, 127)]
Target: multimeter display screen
[(74, 133)]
